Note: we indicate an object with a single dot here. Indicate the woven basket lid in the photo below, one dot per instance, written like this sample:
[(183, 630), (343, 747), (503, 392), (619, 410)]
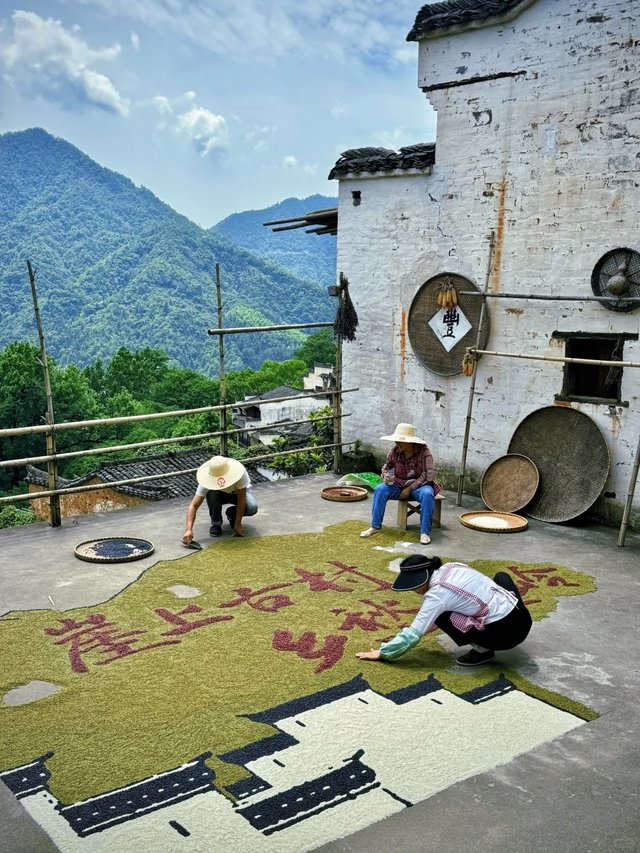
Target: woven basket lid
[(426, 344), (572, 458), (113, 549), (344, 493), (509, 483), (494, 522)]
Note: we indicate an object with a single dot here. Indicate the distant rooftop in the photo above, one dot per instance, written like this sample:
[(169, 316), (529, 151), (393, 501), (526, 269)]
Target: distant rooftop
[(154, 490), (323, 221), (463, 13), (378, 160)]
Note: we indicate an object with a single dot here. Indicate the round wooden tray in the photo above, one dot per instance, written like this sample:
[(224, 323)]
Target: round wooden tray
[(494, 522), (114, 549), (344, 493), (509, 483)]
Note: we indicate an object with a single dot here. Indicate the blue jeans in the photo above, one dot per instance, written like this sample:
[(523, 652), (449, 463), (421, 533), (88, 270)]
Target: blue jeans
[(422, 495), (216, 500)]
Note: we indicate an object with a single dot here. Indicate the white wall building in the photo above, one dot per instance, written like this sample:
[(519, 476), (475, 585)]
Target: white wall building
[(538, 141)]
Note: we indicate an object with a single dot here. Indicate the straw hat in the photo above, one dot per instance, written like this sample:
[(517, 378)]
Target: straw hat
[(405, 433), (220, 473)]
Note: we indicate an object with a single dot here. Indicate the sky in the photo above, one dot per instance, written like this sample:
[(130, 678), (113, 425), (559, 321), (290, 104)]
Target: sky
[(216, 106)]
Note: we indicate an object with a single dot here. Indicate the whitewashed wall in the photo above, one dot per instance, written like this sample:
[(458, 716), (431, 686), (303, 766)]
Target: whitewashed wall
[(550, 161)]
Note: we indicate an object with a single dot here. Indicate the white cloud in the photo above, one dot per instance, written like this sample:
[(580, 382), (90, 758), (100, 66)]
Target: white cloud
[(44, 58), (291, 162), (395, 138), (338, 110), (260, 138), (135, 41), (201, 127), (345, 29)]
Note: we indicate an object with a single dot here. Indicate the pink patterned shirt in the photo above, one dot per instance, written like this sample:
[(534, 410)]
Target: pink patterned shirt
[(417, 469), (472, 599)]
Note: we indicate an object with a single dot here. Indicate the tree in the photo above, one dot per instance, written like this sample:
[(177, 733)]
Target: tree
[(319, 348), (136, 372), (23, 402)]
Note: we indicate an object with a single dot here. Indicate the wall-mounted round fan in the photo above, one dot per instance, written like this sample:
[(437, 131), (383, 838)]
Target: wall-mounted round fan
[(617, 273)]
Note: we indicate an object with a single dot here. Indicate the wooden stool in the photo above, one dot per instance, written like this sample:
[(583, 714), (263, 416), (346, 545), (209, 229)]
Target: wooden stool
[(407, 508)]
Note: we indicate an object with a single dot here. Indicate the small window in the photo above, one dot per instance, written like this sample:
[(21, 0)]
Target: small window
[(590, 383)]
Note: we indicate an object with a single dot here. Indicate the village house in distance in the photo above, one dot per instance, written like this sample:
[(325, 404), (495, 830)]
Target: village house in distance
[(529, 192)]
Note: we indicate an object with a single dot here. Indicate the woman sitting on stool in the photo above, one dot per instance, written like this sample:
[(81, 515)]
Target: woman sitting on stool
[(407, 474)]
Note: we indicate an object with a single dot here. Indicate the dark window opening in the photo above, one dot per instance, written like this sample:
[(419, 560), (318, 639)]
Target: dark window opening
[(591, 383)]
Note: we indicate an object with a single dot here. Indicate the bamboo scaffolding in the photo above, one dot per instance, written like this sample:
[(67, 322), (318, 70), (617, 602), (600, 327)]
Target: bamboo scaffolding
[(549, 298), (98, 451), (50, 439), (223, 415), (627, 507), (246, 329), (316, 218), (467, 427), (244, 404), (30, 496), (558, 358)]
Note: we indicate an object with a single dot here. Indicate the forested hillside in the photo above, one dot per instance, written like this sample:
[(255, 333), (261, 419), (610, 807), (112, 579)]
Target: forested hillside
[(117, 267), (307, 255)]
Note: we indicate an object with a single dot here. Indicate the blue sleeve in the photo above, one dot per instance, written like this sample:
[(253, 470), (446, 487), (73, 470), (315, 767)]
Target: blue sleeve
[(401, 643)]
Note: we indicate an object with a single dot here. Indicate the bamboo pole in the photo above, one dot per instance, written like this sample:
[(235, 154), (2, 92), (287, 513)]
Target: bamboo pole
[(558, 358), (336, 401), (627, 507), (50, 439), (245, 329), (30, 496), (621, 299), (98, 451), (223, 414), (152, 416), (467, 427)]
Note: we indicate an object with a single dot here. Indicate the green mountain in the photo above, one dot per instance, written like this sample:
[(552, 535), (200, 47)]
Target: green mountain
[(118, 267), (307, 255)]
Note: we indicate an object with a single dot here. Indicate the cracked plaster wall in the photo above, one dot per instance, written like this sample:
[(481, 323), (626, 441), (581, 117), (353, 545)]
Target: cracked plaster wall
[(543, 149)]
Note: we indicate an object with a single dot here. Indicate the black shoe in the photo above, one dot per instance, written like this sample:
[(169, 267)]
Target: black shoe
[(474, 658), (215, 530), (231, 516)]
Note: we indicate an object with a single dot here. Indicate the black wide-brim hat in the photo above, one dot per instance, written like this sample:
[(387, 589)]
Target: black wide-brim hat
[(415, 571)]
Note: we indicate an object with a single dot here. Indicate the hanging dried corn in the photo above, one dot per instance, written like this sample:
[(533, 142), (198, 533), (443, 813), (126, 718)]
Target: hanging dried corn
[(469, 363), (447, 294)]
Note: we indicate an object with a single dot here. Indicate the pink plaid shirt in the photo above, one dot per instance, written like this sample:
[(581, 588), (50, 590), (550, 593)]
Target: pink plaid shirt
[(417, 469)]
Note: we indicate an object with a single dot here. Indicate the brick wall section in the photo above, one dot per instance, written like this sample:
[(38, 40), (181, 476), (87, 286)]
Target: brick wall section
[(548, 157), (81, 503)]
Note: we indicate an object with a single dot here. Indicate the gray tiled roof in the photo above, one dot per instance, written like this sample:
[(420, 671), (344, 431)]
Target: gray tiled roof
[(275, 393), (153, 490), (451, 13), (372, 160)]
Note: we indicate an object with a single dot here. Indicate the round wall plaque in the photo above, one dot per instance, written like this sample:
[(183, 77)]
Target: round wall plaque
[(439, 336)]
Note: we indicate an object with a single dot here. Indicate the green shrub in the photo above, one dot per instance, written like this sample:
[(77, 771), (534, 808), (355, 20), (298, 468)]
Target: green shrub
[(11, 516)]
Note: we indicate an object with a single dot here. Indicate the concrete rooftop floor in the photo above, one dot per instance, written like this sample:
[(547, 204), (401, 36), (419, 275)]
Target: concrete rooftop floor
[(579, 792)]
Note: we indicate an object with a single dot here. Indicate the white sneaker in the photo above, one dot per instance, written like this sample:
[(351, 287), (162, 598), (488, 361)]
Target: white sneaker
[(370, 531), (425, 539)]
